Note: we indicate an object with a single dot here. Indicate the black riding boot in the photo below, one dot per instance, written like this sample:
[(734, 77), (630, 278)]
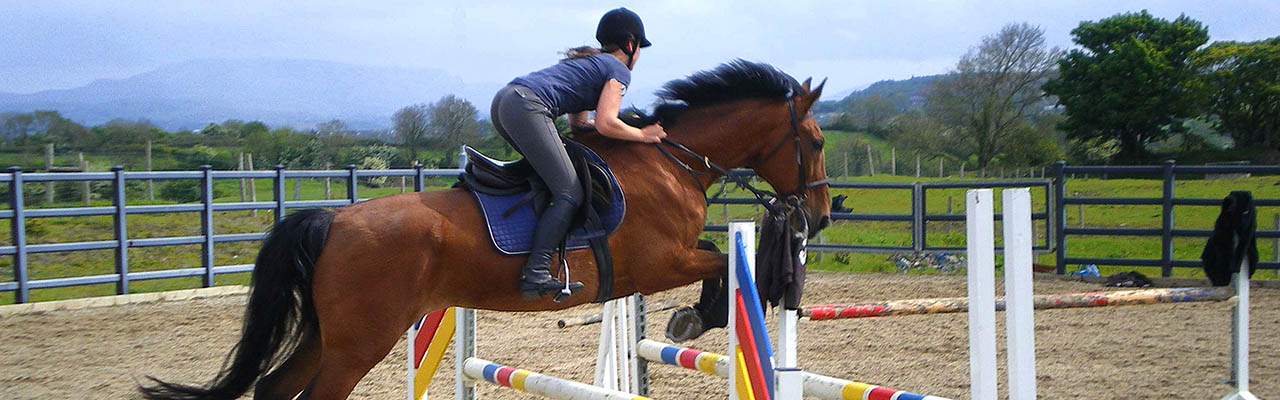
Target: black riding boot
[(535, 279)]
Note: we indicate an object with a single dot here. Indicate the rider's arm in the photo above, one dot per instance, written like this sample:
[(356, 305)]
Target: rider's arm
[(581, 122), (608, 124)]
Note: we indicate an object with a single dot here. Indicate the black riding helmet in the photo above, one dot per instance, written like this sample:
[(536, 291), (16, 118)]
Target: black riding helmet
[(619, 26)]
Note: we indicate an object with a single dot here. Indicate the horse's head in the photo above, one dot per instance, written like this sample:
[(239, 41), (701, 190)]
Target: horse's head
[(789, 156), (747, 114)]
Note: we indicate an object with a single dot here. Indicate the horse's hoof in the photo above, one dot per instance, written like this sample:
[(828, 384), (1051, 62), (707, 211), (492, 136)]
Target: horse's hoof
[(685, 324)]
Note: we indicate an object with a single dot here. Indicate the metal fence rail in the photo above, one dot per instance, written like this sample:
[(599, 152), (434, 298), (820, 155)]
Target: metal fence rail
[(919, 216), (1167, 202), (1056, 231), (120, 211)]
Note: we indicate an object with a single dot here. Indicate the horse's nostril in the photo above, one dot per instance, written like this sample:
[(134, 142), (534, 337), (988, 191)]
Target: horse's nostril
[(824, 222)]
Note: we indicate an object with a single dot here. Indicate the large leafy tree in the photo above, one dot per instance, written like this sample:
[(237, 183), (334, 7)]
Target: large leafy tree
[(870, 113), (994, 91), (1244, 90), (453, 120), (1130, 80), (411, 127)]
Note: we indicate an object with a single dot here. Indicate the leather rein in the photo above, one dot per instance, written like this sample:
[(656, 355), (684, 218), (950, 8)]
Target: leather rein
[(765, 197)]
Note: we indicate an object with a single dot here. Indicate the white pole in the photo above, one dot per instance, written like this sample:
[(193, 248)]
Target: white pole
[(464, 348), (1019, 306), (622, 345), (1241, 339), (539, 384), (606, 351), (747, 230), (787, 333), (639, 376), (982, 302), (409, 365)]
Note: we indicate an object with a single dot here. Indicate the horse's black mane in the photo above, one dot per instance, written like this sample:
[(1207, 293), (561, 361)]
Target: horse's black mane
[(735, 80)]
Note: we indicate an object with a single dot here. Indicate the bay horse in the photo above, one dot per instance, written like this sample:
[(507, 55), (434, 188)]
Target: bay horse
[(334, 290)]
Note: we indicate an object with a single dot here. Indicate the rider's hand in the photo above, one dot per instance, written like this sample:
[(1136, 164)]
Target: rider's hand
[(652, 134)]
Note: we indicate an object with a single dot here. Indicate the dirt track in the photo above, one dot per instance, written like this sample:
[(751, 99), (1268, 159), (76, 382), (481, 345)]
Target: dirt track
[(1167, 351)]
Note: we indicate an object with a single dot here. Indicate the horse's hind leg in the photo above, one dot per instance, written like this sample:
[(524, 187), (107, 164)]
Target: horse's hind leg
[(287, 380), (349, 351)]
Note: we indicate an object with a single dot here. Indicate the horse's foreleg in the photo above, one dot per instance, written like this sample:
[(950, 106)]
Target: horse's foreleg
[(711, 310)]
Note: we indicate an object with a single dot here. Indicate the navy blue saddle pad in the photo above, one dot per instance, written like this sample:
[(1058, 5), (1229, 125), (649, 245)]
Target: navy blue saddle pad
[(512, 234)]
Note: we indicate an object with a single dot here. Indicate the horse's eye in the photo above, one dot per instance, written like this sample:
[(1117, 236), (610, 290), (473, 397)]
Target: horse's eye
[(817, 144)]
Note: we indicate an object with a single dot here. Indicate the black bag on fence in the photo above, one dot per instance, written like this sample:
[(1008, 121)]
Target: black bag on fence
[(1234, 237), (779, 269)]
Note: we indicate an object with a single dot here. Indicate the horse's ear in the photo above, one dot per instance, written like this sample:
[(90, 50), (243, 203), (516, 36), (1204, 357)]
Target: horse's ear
[(805, 85), (809, 99)]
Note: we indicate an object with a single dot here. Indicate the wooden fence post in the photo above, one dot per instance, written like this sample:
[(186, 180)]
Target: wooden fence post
[(917, 165), (151, 186), (893, 162), (240, 167), (49, 167), (871, 165), (85, 188), (253, 190), (328, 193)]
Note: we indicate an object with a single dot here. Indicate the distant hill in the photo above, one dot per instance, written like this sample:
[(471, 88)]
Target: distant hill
[(899, 92), (298, 93)]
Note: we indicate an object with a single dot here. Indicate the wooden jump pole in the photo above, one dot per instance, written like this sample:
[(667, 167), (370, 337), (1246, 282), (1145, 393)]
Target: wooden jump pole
[(898, 308)]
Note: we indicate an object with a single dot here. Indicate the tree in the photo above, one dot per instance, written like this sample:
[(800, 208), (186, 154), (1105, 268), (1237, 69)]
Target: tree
[(121, 131), (1132, 78), (283, 145), (19, 126), (411, 127), (68, 134), (994, 90), (1244, 90), (871, 112), (453, 121), (333, 127), (922, 135), (253, 128)]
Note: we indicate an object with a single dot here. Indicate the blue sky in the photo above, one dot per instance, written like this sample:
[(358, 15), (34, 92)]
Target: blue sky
[(60, 44)]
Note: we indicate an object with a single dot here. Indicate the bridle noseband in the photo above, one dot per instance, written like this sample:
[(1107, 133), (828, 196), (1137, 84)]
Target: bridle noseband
[(770, 200)]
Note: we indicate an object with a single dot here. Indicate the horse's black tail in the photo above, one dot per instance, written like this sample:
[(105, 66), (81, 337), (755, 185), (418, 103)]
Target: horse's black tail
[(279, 314)]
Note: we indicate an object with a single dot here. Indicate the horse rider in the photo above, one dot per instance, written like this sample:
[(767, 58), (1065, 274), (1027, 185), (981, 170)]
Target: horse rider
[(524, 111)]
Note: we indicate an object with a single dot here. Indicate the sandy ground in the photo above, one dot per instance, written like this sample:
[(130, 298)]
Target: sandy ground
[(1167, 351)]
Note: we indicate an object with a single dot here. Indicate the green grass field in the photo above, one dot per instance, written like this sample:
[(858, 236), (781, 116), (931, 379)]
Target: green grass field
[(72, 229)]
